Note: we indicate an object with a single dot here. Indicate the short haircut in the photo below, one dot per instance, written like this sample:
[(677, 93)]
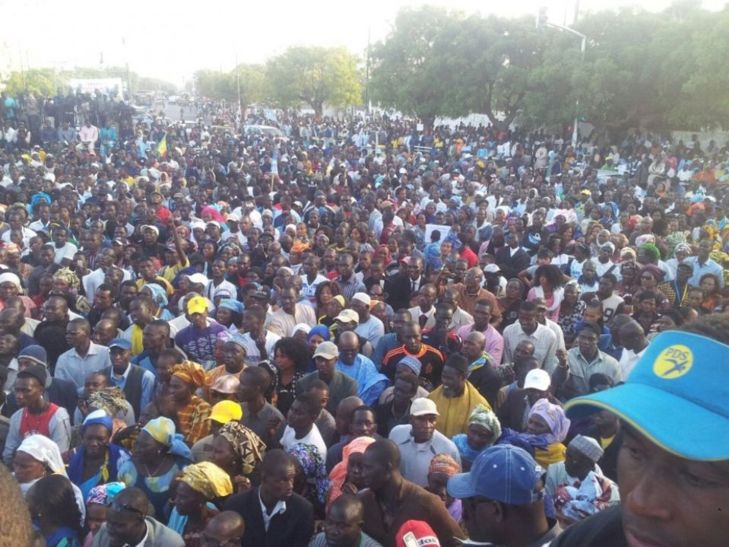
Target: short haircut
[(528, 306), (592, 327), (311, 403), (458, 362), (386, 452), (275, 458), (81, 322), (260, 376), (173, 353), (319, 385), (610, 277)]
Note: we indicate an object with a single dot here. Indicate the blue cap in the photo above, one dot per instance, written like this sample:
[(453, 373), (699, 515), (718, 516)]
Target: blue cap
[(120, 343), (502, 472), (677, 396)]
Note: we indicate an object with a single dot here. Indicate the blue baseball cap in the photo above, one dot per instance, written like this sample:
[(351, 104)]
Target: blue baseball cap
[(120, 343), (502, 472), (677, 396)]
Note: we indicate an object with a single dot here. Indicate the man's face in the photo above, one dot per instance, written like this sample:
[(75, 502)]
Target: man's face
[(667, 500), (481, 316), (348, 350), (345, 266), (146, 270), (528, 320), (426, 297), (119, 359), (473, 346), (28, 392), (411, 338), (153, 338), (375, 474), (363, 424), (423, 427), (342, 528), (414, 269), (233, 354), (453, 382), (102, 299), (288, 301), (298, 417), (279, 483), (123, 526), (76, 335)]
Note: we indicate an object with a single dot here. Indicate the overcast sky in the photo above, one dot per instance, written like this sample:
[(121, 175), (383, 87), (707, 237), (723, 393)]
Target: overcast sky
[(171, 40)]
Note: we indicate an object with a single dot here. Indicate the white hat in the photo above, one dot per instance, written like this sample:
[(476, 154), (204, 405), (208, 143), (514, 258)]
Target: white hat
[(327, 350), (347, 316), (362, 297), (537, 379), (198, 279), (423, 407), (149, 227)]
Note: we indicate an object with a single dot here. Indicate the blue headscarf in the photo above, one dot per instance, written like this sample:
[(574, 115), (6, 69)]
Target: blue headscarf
[(321, 330), (230, 304)]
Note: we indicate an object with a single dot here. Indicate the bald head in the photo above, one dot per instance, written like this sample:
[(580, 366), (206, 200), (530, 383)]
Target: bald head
[(632, 336), (134, 499), (349, 337), (226, 527)]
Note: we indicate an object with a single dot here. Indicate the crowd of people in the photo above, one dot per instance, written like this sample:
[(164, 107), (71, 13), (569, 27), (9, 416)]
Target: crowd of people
[(360, 333)]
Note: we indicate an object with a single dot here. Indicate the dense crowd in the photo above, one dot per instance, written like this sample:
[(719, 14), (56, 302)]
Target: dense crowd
[(357, 332)]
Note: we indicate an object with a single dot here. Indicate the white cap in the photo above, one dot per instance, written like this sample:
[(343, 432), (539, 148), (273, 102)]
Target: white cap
[(423, 407), (327, 350), (347, 316), (362, 297), (198, 279), (537, 379)]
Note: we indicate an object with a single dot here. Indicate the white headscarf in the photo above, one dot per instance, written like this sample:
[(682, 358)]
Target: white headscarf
[(44, 450)]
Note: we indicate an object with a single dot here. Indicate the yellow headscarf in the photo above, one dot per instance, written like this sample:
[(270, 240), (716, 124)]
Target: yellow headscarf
[(207, 479), (190, 372)]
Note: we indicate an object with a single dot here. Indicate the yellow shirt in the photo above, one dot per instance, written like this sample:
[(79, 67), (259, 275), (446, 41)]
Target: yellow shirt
[(454, 411)]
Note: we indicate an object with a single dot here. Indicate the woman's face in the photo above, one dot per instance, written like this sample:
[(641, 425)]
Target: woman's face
[(513, 289), (146, 448), (27, 468), (224, 316), (186, 500), (314, 341), (479, 437), (223, 455), (334, 308), (283, 361), (537, 426), (95, 440), (570, 294), (355, 473), (437, 484), (647, 280), (708, 285)]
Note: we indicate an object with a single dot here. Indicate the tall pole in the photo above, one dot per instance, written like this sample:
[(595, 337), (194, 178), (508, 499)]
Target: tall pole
[(583, 45), (367, 73)]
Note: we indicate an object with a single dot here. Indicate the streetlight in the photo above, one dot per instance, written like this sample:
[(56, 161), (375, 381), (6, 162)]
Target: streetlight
[(542, 21)]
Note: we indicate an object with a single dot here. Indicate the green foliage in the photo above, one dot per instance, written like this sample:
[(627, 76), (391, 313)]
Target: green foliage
[(39, 81), (314, 76), (651, 70)]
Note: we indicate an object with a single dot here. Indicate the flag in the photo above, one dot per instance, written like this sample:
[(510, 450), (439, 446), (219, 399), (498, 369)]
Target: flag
[(162, 146)]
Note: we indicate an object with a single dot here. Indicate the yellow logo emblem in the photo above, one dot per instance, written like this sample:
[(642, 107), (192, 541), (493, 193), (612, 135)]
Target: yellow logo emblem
[(673, 362)]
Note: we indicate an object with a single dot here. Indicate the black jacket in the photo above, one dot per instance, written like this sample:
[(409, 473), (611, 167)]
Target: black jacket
[(512, 265), (292, 528), (604, 529)]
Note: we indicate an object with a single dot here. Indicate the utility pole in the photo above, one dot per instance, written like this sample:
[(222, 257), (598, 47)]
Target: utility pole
[(367, 73), (542, 21)]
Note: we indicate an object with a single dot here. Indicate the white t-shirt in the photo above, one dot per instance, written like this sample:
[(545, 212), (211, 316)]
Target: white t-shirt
[(67, 251), (314, 438)]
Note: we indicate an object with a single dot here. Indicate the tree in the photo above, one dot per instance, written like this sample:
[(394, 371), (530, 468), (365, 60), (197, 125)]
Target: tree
[(39, 81), (405, 73), (314, 76)]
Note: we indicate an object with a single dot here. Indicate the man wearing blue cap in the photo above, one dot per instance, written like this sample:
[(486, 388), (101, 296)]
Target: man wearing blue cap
[(503, 500), (136, 383), (673, 465)]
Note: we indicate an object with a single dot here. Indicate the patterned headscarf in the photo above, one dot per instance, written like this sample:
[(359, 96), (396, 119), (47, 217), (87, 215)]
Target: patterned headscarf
[(159, 295), (313, 466), (207, 479), (70, 278), (246, 444), (190, 372), (163, 431), (485, 417), (104, 493), (110, 399), (443, 463), (555, 418)]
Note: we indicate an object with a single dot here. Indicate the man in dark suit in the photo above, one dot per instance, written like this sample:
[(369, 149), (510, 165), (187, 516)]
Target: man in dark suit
[(273, 513), (401, 287), (512, 259)]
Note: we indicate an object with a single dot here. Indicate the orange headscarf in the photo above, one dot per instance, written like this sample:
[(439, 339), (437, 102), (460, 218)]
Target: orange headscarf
[(190, 372), (338, 474)]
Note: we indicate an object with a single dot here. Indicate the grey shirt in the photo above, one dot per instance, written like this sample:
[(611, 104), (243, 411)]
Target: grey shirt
[(258, 423), (415, 457)]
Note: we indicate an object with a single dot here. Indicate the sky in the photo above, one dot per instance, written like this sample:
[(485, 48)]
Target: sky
[(171, 40)]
